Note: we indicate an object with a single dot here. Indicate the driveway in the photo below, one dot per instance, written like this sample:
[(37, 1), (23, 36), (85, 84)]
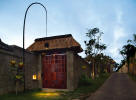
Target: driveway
[(118, 87)]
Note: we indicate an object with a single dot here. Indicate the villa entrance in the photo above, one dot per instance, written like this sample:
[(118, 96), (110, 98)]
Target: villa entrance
[(54, 71)]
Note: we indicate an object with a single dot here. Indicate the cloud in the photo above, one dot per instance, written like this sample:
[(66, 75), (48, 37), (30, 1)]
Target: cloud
[(115, 18), (118, 34)]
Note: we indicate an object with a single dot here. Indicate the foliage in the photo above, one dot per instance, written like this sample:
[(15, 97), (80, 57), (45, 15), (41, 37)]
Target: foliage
[(84, 80), (129, 50), (101, 60), (94, 49), (93, 45), (121, 64), (85, 90), (17, 73)]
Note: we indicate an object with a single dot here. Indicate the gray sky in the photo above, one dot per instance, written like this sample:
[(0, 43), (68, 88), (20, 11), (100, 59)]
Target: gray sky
[(116, 18)]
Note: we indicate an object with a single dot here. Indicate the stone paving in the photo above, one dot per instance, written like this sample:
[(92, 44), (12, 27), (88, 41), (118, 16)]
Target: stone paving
[(118, 87)]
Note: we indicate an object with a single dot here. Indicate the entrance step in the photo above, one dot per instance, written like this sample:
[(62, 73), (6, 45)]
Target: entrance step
[(53, 90)]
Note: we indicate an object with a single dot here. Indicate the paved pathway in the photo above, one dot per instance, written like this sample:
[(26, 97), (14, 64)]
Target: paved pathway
[(118, 87)]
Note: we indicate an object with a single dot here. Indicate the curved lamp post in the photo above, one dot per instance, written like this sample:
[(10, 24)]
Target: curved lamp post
[(35, 3)]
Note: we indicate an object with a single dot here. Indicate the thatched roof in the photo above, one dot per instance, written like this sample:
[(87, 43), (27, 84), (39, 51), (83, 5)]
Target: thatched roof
[(56, 43)]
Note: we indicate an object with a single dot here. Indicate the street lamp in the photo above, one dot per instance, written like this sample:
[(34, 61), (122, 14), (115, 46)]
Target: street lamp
[(35, 3)]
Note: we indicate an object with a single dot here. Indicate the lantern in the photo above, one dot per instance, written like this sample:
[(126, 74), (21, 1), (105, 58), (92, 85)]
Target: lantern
[(12, 62), (20, 64), (34, 77)]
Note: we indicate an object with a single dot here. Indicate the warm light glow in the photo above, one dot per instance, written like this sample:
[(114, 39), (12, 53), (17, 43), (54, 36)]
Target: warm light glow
[(92, 74), (83, 67), (12, 62), (34, 77), (47, 94), (46, 48)]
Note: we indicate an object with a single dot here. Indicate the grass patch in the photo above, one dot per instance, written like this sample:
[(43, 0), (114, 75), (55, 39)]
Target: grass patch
[(81, 91), (86, 90), (33, 95)]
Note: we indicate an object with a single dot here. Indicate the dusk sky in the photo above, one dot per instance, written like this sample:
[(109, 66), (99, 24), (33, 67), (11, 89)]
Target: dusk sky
[(116, 18)]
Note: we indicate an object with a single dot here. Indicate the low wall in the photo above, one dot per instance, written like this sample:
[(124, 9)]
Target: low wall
[(31, 64), (132, 65), (80, 67)]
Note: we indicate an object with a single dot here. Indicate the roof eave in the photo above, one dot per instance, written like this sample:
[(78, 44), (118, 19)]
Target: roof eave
[(76, 49)]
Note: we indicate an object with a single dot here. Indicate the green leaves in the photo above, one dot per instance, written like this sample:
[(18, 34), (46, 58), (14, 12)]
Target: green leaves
[(84, 80), (16, 71), (94, 46), (128, 51), (92, 41)]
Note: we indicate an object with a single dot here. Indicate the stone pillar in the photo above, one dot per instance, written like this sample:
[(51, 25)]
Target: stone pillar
[(39, 72), (70, 70)]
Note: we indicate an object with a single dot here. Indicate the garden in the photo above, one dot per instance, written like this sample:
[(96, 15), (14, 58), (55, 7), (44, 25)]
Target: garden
[(86, 87)]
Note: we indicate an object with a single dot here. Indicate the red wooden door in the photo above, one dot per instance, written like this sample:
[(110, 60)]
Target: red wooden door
[(54, 71)]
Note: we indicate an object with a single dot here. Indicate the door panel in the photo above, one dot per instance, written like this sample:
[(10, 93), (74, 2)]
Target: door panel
[(54, 71)]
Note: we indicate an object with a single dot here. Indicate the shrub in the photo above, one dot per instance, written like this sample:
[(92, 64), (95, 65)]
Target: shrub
[(17, 73), (84, 80)]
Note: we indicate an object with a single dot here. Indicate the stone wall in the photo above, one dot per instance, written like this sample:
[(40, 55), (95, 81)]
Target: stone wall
[(132, 65), (80, 67), (123, 69), (31, 66), (76, 66)]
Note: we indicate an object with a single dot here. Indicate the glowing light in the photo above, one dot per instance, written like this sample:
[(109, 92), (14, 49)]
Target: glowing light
[(83, 67), (47, 94), (34, 77), (12, 62), (92, 74)]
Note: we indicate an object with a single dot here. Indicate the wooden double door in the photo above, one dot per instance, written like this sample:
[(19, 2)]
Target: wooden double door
[(54, 71)]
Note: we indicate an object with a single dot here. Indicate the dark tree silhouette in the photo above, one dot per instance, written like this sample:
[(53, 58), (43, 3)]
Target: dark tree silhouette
[(94, 47), (129, 49)]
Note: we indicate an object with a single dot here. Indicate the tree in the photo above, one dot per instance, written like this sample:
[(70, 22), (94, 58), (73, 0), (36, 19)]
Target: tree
[(94, 47), (121, 64), (129, 49)]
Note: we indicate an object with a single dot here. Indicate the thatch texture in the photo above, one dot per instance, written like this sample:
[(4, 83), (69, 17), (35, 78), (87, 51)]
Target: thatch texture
[(55, 43)]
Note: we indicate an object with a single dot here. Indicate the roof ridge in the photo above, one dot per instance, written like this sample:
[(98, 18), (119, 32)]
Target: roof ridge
[(53, 37)]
